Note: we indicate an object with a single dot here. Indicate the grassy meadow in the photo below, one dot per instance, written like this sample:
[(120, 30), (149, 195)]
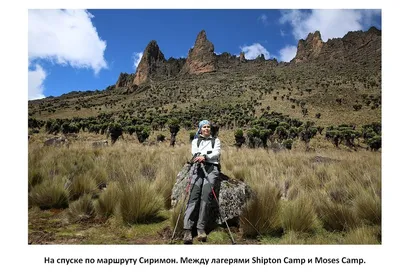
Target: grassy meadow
[(120, 194)]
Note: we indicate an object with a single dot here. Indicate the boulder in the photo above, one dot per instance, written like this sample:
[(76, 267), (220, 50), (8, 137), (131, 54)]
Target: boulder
[(57, 141), (232, 195)]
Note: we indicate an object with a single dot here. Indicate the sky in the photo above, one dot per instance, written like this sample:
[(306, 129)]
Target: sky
[(80, 50)]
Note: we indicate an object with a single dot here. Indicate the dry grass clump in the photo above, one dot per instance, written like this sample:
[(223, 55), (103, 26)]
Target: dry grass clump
[(139, 202), (81, 209), (107, 201), (368, 207), (298, 215), (49, 194), (363, 236), (259, 216)]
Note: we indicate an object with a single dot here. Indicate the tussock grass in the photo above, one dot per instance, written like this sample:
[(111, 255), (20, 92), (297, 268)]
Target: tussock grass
[(335, 216), (259, 215), (107, 201), (49, 194), (313, 202), (368, 208), (35, 177), (363, 235), (80, 185), (81, 209), (139, 203), (298, 215)]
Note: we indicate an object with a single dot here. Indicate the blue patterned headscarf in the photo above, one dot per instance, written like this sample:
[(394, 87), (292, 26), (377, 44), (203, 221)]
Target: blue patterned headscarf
[(201, 124)]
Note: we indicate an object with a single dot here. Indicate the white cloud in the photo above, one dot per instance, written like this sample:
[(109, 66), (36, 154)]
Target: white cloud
[(283, 34), (137, 57), (254, 50), (287, 53), (66, 37), (35, 83), (263, 18), (331, 23)]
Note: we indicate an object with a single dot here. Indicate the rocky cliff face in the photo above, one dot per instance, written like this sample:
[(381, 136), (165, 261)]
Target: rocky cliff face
[(361, 48), (152, 62), (356, 46), (201, 58), (124, 80), (310, 48)]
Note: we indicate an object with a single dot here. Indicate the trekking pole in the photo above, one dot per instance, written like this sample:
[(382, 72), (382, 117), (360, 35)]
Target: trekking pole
[(184, 200), (219, 209)]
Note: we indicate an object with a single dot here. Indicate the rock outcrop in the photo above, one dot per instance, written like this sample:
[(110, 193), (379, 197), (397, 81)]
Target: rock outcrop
[(201, 58), (242, 57), (124, 80), (310, 48), (363, 47), (152, 62), (232, 195)]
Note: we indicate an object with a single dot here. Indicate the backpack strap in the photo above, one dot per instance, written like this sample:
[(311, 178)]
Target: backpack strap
[(212, 142)]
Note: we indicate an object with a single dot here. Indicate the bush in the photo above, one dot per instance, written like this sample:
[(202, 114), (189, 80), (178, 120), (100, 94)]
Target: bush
[(288, 143), (375, 143), (239, 138)]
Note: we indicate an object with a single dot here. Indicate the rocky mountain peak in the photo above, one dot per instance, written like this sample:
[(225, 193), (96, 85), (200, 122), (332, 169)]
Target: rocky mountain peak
[(309, 48), (152, 59), (201, 58)]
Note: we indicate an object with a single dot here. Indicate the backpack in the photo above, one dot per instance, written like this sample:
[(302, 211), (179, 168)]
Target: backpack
[(212, 141)]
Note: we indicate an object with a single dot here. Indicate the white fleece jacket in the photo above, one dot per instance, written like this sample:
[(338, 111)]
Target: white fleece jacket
[(205, 148)]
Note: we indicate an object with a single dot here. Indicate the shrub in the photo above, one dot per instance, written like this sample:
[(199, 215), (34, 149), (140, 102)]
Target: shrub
[(375, 143), (288, 144), (115, 130), (239, 138), (357, 107)]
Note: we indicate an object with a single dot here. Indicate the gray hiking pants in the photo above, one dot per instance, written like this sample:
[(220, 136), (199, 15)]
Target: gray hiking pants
[(200, 196)]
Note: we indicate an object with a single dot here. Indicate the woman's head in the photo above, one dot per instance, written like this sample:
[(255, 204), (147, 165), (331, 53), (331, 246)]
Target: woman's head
[(204, 128)]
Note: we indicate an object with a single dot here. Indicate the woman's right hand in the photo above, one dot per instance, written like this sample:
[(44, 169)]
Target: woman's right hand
[(200, 159)]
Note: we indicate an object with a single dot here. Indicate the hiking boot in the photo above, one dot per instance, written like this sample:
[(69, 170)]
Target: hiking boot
[(201, 235), (187, 237)]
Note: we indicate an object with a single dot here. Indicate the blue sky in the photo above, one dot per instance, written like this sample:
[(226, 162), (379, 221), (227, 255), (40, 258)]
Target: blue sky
[(79, 50)]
